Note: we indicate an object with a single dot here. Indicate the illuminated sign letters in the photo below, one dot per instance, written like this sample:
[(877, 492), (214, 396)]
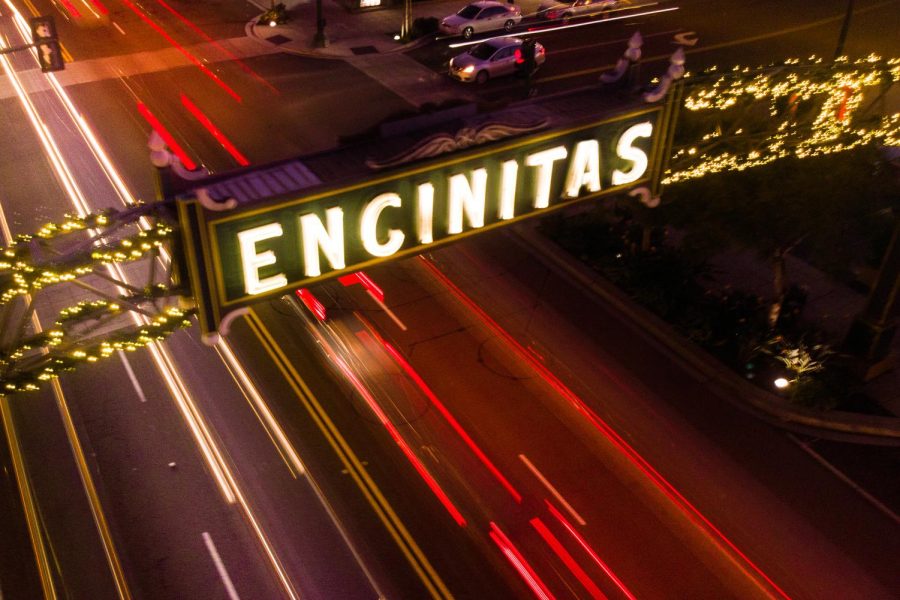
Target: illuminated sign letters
[(257, 252)]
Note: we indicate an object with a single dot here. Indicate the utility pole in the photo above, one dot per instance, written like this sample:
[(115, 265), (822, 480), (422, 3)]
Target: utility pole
[(870, 336), (845, 26), (320, 40), (406, 25)]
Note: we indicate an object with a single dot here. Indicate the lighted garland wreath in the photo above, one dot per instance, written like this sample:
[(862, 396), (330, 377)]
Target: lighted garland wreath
[(45, 355), (18, 276), (839, 86), (128, 339)]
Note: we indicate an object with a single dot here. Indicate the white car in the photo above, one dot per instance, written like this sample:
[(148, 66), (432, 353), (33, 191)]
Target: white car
[(554, 10), (492, 58), (478, 17)]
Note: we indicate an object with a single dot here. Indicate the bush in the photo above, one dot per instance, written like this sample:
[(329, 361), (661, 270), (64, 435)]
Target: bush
[(423, 26)]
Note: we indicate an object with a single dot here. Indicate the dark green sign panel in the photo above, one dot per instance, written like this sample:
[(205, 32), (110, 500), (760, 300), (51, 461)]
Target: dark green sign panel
[(255, 253)]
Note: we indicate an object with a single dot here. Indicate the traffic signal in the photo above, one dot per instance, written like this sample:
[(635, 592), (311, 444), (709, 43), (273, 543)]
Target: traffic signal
[(43, 36)]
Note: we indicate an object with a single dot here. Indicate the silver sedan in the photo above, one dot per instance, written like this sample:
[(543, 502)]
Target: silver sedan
[(486, 15), (569, 9), (492, 58)]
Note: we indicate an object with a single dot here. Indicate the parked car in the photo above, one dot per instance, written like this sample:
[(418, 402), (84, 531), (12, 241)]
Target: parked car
[(478, 17), (492, 58), (554, 10)]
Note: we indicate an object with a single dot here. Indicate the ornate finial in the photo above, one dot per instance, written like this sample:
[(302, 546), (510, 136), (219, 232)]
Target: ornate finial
[(159, 154), (645, 197), (674, 72), (631, 56), (161, 158)]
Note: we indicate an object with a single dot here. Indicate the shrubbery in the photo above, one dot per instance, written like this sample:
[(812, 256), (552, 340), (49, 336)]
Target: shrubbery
[(731, 324), (423, 26)]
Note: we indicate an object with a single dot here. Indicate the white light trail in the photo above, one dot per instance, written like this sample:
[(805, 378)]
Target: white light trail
[(534, 32), (165, 364), (261, 408)]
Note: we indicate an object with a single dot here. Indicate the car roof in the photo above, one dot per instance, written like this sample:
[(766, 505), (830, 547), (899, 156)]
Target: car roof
[(503, 42), (486, 3)]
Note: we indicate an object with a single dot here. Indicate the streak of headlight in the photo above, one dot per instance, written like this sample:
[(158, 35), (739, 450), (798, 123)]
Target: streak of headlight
[(163, 360), (567, 559), (176, 385), (93, 143), (363, 391), (663, 484), (521, 565), (225, 50), (262, 409), (50, 147), (83, 209), (533, 32), (408, 368), (84, 128), (181, 49), (587, 547)]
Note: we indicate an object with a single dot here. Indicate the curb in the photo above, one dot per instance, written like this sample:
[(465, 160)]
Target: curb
[(250, 31), (834, 425)]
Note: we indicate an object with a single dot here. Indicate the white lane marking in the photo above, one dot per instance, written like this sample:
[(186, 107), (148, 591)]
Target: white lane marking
[(122, 31), (846, 479), (220, 567), (259, 406), (132, 377), (552, 489)]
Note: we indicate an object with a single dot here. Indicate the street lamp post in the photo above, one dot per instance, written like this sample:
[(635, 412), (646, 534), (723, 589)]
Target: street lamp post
[(320, 40), (845, 26)]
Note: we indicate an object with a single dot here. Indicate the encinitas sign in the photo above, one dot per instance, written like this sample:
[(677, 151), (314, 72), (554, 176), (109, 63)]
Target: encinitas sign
[(254, 253)]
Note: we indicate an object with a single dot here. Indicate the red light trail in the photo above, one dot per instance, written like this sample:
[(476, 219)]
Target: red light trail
[(206, 37), (570, 562), (609, 433), (587, 547), (220, 137), (181, 49), (521, 565), (408, 369), (166, 136)]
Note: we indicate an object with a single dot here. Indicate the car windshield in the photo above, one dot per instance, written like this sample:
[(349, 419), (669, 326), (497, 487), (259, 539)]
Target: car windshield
[(469, 12), (483, 51)]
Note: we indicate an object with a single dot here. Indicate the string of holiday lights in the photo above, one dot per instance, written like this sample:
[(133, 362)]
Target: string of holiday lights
[(56, 362), (841, 87), (19, 276)]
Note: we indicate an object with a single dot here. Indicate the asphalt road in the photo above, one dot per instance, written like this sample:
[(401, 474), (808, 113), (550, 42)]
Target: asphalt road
[(752, 484), (169, 526), (272, 106)]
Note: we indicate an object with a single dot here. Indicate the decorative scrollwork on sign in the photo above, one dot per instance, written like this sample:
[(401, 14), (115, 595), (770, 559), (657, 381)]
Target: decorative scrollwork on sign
[(442, 143), (645, 197), (209, 203)]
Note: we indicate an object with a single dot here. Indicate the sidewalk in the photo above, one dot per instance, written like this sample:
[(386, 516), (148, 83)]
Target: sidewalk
[(365, 39), (352, 34)]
